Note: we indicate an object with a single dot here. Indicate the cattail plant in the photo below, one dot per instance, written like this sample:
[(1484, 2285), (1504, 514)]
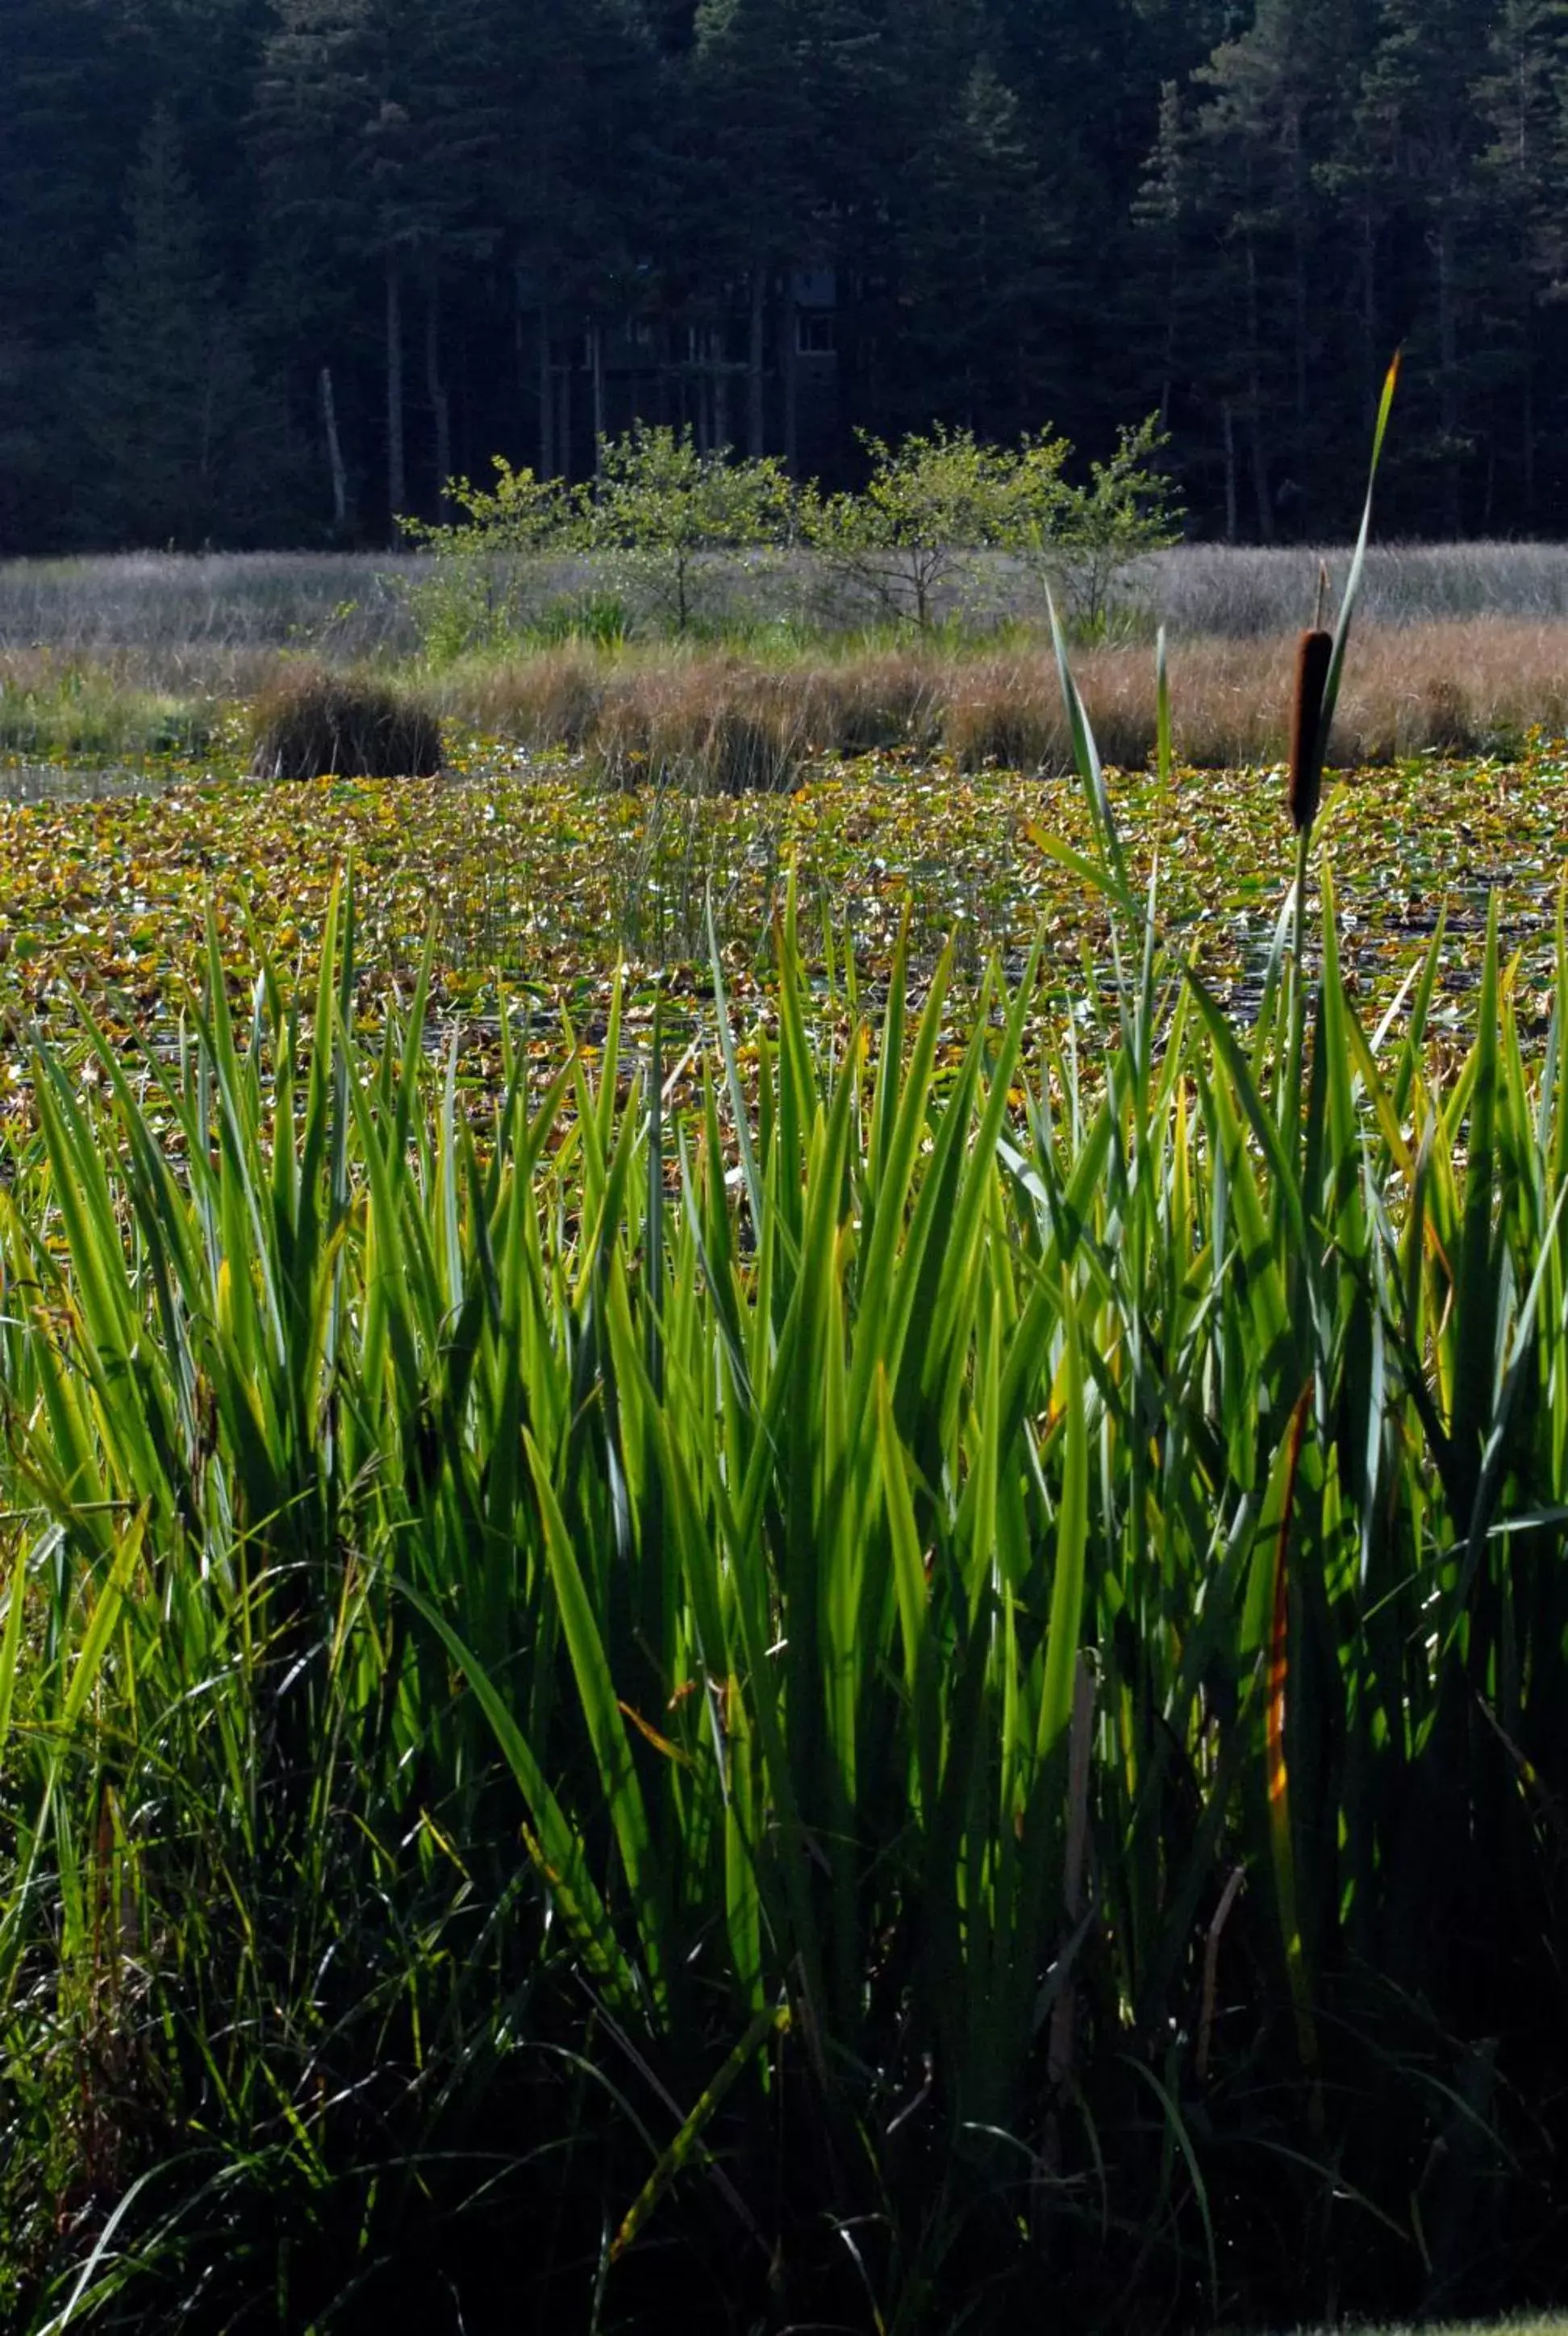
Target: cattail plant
[(1313, 652)]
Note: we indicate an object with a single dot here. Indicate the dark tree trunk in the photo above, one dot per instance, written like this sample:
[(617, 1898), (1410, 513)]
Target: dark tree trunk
[(1229, 430), (396, 475), (1448, 371), (549, 467), (792, 431), (1369, 367), (563, 423), (440, 404), (1527, 413), (334, 453), (1255, 405), (721, 435), (755, 429)]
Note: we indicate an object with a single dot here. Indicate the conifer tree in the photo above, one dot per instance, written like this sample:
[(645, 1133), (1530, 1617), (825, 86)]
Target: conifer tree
[(753, 137), (1418, 119), (185, 446), (1520, 99)]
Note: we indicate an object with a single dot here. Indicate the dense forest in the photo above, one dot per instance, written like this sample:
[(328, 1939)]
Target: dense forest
[(271, 270)]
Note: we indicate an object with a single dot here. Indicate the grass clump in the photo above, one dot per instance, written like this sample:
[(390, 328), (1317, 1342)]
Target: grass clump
[(51, 708), (312, 722), (721, 720)]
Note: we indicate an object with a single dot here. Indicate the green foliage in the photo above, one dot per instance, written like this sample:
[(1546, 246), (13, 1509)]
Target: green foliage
[(897, 1541), (946, 1624), (186, 442), (654, 523), (659, 510), (661, 517), (905, 545), (928, 502), (80, 712), (488, 581), (1080, 539)]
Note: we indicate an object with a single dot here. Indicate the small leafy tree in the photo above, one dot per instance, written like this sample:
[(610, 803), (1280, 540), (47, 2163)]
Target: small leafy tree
[(659, 510), (931, 502), (483, 590), (1078, 538)]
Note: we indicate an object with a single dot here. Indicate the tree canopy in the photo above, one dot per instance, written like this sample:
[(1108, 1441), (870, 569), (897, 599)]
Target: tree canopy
[(793, 227)]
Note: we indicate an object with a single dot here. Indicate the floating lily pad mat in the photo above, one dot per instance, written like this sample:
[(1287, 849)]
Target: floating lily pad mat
[(535, 883)]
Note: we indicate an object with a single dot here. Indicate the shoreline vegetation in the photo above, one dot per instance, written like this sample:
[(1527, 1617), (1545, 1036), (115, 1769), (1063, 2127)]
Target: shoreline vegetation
[(724, 716), (917, 1626), (1461, 650)]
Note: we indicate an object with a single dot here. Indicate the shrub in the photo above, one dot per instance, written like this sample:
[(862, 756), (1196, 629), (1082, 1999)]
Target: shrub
[(659, 510), (1080, 539), (929, 503), (352, 725), (481, 591)]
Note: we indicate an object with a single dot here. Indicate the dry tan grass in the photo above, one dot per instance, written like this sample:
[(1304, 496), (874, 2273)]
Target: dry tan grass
[(716, 719), (356, 725), (723, 721), (1455, 688), (552, 699)]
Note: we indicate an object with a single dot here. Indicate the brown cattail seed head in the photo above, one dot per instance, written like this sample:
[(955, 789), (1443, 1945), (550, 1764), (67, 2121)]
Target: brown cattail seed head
[(1312, 655)]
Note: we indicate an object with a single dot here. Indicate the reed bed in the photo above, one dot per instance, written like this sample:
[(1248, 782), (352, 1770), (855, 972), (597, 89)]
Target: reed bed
[(913, 1661), (1449, 688), (174, 611), (939, 1674), (727, 719)]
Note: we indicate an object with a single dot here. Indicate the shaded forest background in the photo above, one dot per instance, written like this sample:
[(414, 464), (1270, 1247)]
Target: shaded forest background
[(270, 270)]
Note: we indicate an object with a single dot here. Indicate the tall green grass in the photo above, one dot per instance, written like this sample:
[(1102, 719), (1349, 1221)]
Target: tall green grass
[(949, 1670)]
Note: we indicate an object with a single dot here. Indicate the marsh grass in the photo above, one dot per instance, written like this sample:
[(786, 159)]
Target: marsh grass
[(314, 721), (115, 678), (178, 611), (720, 718), (50, 710), (894, 1545)]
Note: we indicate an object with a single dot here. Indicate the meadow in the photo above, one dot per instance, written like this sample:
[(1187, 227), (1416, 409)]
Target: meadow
[(786, 1555)]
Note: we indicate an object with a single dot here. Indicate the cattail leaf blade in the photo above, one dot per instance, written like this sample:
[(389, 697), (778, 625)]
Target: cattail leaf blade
[(1358, 560)]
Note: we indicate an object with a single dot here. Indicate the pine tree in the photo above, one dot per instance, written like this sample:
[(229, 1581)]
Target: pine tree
[(1519, 95), (754, 138), (1261, 123), (373, 118), (186, 445), (1418, 122), (980, 253)]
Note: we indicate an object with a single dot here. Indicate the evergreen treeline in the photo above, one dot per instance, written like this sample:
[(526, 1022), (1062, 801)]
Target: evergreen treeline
[(272, 270)]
